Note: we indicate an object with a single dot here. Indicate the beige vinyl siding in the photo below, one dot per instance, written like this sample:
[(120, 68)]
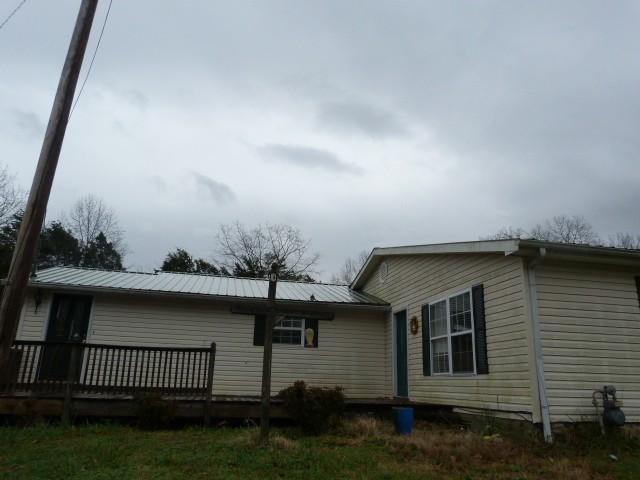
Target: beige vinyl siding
[(33, 321), (590, 335), (351, 349), (415, 280)]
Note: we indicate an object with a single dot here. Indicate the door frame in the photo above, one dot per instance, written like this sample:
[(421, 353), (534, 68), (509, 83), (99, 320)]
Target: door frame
[(394, 348), (52, 294), (47, 324)]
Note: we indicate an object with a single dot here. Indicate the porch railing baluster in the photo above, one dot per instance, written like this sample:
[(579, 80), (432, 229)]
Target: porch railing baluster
[(46, 367)]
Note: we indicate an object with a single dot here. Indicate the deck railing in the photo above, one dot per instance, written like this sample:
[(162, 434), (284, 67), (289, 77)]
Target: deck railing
[(65, 368)]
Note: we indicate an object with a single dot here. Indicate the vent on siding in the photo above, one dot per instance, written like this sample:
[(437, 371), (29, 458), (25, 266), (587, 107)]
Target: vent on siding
[(383, 272)]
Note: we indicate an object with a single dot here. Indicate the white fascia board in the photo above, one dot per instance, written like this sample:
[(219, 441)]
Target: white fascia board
[(508, 247)]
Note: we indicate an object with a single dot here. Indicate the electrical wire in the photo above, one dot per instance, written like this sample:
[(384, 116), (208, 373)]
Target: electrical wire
[(15, 10), (95, 52)]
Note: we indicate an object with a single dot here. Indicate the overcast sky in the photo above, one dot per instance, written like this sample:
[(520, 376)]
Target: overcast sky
[(361, 123)]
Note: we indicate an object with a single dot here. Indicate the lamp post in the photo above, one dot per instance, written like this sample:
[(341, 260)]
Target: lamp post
[(267, 354)]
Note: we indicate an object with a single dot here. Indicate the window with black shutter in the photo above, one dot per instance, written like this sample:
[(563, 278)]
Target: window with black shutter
[(454, 334)]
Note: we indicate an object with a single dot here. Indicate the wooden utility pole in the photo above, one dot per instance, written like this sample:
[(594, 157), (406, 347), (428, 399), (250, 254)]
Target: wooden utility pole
[(23, 255), (267, 355)]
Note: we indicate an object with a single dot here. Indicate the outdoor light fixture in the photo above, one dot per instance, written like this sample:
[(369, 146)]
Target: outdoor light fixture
[(37, 298)]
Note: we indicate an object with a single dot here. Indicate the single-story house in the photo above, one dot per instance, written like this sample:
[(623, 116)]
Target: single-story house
[(517, 327)]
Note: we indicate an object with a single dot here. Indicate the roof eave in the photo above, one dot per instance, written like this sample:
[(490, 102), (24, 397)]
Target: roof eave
[(580, 253), (206, 297), (482, 246)]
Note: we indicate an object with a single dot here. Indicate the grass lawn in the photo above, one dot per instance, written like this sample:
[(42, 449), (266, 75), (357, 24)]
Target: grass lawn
[(363, 448)]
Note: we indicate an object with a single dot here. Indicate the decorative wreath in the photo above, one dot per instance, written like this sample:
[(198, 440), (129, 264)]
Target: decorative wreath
[(414, 325)]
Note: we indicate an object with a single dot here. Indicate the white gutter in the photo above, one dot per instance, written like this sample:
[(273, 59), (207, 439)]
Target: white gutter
[(537, 347)]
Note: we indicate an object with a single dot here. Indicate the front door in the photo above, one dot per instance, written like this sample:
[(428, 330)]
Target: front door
[(400, 326), (68, 322)]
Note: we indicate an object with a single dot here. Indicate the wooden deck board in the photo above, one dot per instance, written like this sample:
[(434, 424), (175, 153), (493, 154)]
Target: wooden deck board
[(113, 406)]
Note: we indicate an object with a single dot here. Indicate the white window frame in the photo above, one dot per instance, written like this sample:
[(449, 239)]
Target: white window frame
[(448, 335), (301, 329)]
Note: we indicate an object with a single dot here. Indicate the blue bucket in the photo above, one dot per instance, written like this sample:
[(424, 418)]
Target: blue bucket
[(403, 419)]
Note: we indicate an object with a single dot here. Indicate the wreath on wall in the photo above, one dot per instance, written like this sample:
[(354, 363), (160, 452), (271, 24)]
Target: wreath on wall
[(414, 325)]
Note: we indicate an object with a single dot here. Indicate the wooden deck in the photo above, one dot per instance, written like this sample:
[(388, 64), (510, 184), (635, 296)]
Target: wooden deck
[(96, 380), (123, 406)]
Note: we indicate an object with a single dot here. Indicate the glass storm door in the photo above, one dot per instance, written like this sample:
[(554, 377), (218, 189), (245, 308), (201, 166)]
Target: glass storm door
[(68, 322)]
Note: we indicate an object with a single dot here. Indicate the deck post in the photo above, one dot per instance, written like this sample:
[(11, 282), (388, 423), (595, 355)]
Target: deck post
[(208, 398), (71, 378)]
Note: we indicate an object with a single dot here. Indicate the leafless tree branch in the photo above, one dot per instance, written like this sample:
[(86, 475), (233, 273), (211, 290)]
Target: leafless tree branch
[(250, 252), (89, 216), (12, 197)]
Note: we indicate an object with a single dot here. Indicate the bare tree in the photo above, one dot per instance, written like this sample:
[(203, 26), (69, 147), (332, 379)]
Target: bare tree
[(12, 197), (89, 216), (561, 229), (350, 269), (250, 252), (506, 233), (566, 229), (625, 240)]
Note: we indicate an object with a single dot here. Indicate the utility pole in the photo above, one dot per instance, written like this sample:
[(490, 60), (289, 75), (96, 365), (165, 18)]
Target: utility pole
[(267, 355), (23, 255)]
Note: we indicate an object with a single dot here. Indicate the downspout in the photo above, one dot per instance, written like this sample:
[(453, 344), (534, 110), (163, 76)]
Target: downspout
[(537, 346)]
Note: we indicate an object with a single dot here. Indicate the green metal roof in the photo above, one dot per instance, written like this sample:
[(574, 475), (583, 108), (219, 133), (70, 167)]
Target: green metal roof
[(198, 285)]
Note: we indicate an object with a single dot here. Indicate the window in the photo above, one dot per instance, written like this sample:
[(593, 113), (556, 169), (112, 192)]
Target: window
[(451, 332), (289, 331)]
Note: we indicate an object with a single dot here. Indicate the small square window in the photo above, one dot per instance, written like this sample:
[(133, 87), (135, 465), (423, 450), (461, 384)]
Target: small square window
[(288, 331)]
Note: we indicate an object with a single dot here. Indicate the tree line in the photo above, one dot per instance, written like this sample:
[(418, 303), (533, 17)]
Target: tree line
[(87, 236), (574, 229)]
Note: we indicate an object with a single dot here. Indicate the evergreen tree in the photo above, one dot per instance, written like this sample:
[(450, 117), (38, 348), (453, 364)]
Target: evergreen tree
[(58, 246), (101, 253), (183, 261), (178, 261), (8, 238)]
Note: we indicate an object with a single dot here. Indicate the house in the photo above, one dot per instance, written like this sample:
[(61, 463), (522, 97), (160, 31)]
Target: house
[(518, 328)]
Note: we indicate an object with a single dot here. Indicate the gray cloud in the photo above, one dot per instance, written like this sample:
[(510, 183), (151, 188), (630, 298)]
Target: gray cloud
[(28, 124), (309, 157), (136, 98), (360, 118), (159, 183), (212, 189), (517, 111)]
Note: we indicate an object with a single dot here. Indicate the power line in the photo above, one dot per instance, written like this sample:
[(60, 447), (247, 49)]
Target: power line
[(15, 10), (95, 52)]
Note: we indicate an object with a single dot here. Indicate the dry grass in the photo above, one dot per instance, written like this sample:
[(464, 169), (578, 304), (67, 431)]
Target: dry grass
[(251, 439), (512, 452)]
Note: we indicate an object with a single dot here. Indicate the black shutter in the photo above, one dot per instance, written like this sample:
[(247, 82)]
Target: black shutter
[(312, 323), (638, 289), (258, 329), (482, 362), (426, 342)]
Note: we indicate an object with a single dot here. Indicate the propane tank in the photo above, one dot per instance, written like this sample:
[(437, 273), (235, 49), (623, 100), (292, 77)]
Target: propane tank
[(613, 414)]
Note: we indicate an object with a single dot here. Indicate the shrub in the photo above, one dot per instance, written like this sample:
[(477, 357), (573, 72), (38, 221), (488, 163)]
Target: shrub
[(315, 409), (154, 412)]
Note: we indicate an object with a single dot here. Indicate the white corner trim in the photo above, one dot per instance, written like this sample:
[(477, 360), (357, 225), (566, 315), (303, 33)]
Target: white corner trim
[(539, 358)]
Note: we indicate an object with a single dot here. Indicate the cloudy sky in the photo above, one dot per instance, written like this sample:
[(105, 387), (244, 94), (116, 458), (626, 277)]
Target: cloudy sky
[(362, 123)]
